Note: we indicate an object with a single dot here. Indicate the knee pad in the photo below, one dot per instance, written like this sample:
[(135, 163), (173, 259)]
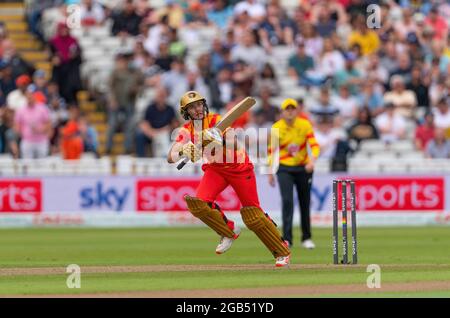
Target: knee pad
[(208, 215), (257, 221)]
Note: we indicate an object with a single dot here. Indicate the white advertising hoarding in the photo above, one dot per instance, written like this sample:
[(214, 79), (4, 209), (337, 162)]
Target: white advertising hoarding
[(118, 201)]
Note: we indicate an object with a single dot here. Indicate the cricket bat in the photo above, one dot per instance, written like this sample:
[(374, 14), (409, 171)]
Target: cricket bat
[(228, 119)]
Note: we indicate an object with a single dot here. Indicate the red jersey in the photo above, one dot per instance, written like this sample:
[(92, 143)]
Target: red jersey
[(240, 159)]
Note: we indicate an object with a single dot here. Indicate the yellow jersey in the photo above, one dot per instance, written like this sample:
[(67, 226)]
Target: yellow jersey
[(292, 141)]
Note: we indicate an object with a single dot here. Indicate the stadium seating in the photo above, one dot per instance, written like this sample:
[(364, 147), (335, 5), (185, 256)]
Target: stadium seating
[(87, 165)]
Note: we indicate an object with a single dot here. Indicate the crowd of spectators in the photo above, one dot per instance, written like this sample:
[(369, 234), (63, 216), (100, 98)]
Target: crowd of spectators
[(360, 82)]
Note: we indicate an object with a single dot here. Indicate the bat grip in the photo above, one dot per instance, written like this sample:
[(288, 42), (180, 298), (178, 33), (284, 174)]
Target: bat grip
[(182, 163)]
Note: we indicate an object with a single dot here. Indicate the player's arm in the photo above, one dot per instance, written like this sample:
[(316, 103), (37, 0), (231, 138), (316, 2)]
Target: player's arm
[(315, 148), (183, 147), (174, 152), (273, 141)]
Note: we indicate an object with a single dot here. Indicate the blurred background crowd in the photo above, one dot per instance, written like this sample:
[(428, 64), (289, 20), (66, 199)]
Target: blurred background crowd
[(133, 59)]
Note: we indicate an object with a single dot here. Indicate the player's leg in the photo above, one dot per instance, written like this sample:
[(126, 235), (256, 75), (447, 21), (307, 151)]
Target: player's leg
[(244, 184), (204, 208), (211, 185), (303, 182), (286, 185)]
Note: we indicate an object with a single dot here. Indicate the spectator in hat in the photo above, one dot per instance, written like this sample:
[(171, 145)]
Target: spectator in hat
[(17, 98), (32, 124)]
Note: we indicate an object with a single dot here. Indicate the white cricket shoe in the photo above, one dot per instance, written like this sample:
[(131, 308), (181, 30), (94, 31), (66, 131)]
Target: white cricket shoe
[(226, 242), (283, 261), (308, 244)]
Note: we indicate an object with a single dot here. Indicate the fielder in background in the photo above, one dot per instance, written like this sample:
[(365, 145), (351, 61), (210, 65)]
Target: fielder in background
[(218, 174), (295, 168)]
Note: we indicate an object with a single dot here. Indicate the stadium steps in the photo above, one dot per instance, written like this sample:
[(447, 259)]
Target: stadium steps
[(45, 66), (20, 36), (31, 44), (10, 18), (116, 150), (98, 119), (12, 14), (34, 56), (10, 9), (118, 138), (15, 25), (88, 107)]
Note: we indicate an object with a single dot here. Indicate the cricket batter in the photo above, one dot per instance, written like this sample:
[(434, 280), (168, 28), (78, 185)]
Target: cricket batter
[(218, 174)]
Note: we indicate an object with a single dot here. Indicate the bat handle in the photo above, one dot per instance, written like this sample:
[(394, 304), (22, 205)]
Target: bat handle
[(182, 163)]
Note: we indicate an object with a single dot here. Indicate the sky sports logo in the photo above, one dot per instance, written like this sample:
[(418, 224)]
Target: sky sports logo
[(20, 196), (400, 194), (168, 195)]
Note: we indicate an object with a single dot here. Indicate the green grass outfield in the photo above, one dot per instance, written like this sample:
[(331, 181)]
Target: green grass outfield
[(415, 262)]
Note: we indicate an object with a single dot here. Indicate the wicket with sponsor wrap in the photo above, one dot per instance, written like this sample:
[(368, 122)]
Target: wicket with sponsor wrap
[(344, 186)]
